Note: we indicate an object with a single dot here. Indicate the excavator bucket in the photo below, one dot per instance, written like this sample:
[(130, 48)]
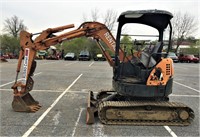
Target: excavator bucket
[(25, 103), (3, 60), (91, 108)]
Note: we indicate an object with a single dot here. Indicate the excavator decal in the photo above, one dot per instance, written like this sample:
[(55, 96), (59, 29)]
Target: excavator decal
[(110, 40), (25, 66)]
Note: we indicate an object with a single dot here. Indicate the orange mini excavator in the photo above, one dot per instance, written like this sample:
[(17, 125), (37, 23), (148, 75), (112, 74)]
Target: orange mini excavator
[(142, 75)]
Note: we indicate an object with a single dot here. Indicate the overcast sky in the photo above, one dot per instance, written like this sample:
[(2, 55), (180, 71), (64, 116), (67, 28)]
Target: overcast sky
[(39, 15)]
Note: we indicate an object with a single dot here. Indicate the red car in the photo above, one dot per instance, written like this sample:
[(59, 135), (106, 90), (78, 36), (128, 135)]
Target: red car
[(188, 58)]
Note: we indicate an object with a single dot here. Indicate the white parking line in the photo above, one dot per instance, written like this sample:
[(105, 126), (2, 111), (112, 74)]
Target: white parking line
[(48, 109), (187, 86), (49, 63), (79, 116), (170, 131), (166, 127), (91, 64), (18, 80), (71, 63), (180, 68), (188, 66), (193, 96)]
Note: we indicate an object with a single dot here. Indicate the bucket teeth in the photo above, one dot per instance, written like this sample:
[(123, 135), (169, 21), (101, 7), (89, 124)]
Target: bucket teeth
[(34, 108), (25, 103)]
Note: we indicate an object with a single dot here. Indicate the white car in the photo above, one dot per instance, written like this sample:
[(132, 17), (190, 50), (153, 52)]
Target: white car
[(70, 56)]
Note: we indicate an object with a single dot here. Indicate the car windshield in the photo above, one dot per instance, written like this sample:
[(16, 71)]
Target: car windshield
[(70, 54), (171, 54), (84, 53)]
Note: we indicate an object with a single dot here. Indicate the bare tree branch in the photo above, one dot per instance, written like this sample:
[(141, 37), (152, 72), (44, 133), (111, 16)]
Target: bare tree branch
[(110, 18), (13, 26), (85, 19), (183, 25), (95, 14)]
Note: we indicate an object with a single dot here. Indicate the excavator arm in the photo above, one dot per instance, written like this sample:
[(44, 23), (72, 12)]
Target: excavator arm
[(23, 101)]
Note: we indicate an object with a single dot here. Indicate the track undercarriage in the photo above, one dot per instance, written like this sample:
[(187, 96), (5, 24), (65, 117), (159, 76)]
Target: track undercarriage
[(115, 109)]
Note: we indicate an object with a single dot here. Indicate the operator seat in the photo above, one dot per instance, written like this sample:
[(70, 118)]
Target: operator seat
[(149, 58)]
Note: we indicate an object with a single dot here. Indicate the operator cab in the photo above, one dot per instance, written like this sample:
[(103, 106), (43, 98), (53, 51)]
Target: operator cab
[(144, 26), (142, 35), (146, 32)]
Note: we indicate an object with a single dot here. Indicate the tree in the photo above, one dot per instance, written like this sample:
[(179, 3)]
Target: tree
[(79, 44), (183, 25), (95, 14), (9, 44), (126, 44), (13, 26), (110, 19), (84, 18)]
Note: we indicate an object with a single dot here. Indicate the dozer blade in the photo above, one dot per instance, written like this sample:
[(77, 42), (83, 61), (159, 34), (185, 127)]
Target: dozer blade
[(25, 103), (91, 108)]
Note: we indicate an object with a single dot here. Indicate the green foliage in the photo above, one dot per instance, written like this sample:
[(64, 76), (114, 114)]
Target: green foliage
[(9, 44), (78, 44), (126, 44), (197, 44), (126, 40), (191, 50), (129, 46)]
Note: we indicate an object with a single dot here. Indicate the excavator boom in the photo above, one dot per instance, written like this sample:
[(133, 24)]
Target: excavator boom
[(23, 101)]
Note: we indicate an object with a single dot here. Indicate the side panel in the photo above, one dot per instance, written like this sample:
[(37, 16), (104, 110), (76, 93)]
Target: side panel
[(161, 73), (142, 90)]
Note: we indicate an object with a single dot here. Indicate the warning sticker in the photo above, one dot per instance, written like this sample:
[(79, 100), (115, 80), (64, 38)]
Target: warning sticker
[(25, 66)]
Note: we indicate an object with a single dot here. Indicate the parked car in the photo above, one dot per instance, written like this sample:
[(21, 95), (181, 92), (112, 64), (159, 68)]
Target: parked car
[(188, 58), (9, 56), (99, 57), (173, 56), (70, 56), (41, 54), (84, 55)]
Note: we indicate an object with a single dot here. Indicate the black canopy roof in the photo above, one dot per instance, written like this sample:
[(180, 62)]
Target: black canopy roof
[(158, 19)]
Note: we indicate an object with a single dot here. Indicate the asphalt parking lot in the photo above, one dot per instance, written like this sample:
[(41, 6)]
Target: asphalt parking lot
[(61, 88)]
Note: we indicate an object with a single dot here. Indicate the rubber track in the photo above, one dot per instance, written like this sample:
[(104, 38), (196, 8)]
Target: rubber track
[(125, 104)]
